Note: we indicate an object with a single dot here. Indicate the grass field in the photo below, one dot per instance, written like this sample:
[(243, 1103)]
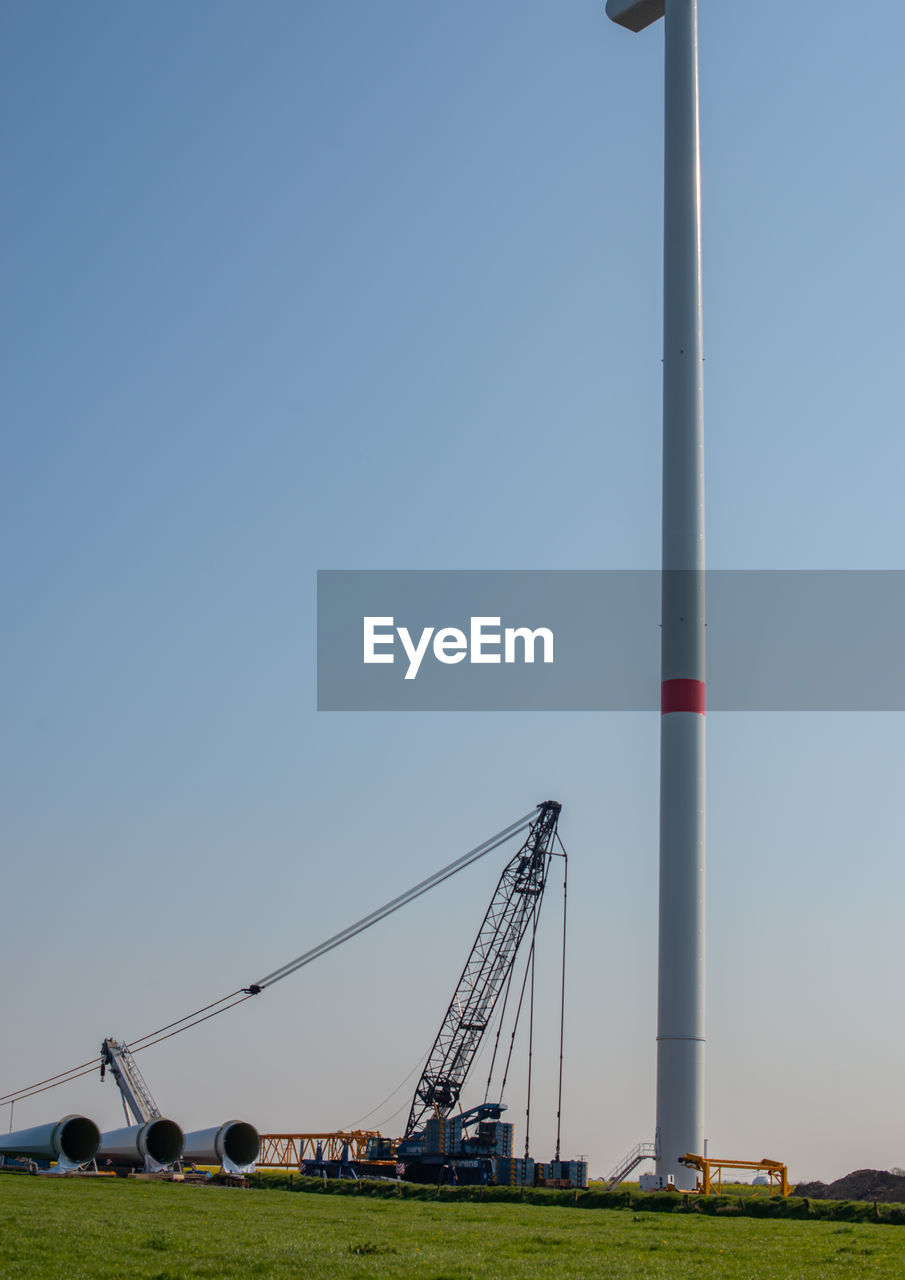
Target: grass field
[(160, 1231)]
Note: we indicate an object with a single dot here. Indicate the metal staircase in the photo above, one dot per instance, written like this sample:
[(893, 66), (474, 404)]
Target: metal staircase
[(643, 1151)]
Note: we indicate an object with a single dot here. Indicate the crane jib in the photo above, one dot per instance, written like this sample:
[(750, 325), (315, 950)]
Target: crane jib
[(514, 905)]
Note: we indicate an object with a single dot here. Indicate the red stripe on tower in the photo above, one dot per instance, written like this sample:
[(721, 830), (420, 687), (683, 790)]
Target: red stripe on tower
[(682, 695)]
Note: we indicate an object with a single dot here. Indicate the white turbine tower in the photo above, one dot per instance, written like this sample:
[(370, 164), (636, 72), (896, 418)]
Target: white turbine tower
[(680, 1018)]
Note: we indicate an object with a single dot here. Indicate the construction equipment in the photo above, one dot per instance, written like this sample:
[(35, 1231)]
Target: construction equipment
[(476, 1145), (290, 1150), (135, 1094), (152, 1143), (514, 905), (155, 1143), (776, 1172), (513, 910), (472, 1143), (353, 1153)]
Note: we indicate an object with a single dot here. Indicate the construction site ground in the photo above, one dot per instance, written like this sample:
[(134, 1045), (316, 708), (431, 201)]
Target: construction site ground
[(863, 1184)]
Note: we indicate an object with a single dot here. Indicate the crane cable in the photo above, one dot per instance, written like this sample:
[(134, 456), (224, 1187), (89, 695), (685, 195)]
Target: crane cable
[(509, 980), (529, 973), (499, 1031), (562, 998), (244, 993), (143, 1042), (389, 907), (530, 1044), (536, 910), (347, 1128)]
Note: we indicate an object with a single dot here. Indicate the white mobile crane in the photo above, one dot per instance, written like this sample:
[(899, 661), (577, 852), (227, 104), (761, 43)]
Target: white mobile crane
[(151, 1142), (136, 1096), (156, 1143)]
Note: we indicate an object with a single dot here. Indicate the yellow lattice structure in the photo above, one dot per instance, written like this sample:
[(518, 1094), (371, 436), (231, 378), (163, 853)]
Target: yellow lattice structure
[(289, 1150), (777, 1172)]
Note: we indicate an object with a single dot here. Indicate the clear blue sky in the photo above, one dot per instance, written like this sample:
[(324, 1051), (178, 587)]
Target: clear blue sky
[(355, 285)]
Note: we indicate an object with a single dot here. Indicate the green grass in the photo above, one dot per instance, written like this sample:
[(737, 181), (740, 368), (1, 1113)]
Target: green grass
[(159, 1231)]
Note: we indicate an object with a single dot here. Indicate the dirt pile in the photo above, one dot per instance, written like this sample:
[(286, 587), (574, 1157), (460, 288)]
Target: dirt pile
[(863, 1184)]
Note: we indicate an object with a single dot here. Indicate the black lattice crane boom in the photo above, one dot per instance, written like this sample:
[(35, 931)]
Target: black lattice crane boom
[(513, 906)]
